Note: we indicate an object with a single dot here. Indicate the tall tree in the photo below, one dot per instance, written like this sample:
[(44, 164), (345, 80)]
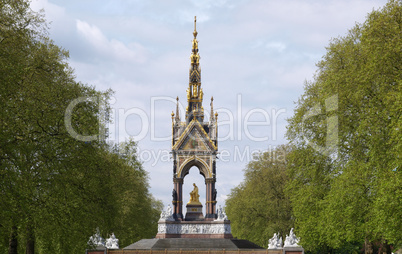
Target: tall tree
[(351, 114), (56, 189), (258, 207), (138, 212)]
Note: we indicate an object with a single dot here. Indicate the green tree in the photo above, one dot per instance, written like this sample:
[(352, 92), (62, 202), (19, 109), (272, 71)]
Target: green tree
[(258, 207), (351, 114), (138, 212), (307, 186), (56, 189)]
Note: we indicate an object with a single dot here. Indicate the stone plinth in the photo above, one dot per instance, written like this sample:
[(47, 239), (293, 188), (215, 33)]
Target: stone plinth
[(194, 229), (194, 212), (275, 251), (293, 250)]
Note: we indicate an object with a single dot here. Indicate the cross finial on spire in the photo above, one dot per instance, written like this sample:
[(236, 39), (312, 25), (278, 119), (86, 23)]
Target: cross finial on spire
[(195, 27), (177, 110)]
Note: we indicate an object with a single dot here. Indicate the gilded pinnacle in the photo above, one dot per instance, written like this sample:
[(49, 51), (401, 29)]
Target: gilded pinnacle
[(177, 110), (195, 27)]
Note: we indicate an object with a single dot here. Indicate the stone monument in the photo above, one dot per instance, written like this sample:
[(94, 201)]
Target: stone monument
[(194, 144)]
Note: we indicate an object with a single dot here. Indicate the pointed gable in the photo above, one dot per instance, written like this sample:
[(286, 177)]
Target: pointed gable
[(194, 138)]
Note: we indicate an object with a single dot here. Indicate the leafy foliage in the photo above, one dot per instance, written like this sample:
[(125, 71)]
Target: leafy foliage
[(258, 207), (353, 191), (342, 177), (55, 189)]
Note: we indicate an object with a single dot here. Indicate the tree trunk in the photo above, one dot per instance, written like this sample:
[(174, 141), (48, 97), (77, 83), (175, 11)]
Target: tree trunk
[(30, 247), (368, 247), (385, 248), (13, 242)]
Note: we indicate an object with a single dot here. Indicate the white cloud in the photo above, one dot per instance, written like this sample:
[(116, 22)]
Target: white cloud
[(53, 11), (113, 48), (277, 46)]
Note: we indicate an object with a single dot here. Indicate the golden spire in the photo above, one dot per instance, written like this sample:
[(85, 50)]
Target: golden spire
[(195, 27), (195, 58), (194, 91)]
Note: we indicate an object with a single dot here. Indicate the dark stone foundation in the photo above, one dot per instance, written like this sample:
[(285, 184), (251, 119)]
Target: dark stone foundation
[(194, 212), (193, 244)]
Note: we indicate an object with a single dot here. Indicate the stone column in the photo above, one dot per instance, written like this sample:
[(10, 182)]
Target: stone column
[(178, 205), (210, 199)]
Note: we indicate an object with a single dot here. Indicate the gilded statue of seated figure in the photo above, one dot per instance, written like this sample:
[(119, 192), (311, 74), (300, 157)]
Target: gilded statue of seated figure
[(194, 196)]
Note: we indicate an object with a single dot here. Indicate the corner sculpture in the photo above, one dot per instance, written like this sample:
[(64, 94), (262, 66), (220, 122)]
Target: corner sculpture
[(96, 240), (221, 214), (291, 244), (275, 242), (112, 242), (99, 242), (291, 240)]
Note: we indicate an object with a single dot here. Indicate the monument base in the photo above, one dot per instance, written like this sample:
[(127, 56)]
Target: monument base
[(193, 244), (194, 212), (194, 229), (293, 250), (275, 251)]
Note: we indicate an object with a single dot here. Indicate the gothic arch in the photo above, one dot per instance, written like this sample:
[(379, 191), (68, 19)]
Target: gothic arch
[(189, 163)]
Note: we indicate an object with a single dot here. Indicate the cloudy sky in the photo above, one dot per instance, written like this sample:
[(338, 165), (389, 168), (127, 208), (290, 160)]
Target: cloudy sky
[(255, 57)]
